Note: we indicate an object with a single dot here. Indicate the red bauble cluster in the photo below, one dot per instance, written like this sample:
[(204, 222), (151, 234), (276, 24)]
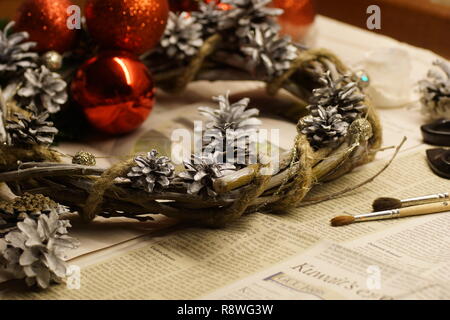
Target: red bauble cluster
[(114, 88), (116, 91)]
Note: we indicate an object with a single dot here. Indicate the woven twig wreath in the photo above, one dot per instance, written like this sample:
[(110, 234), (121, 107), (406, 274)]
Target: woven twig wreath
[(337, 130), (317, 155)]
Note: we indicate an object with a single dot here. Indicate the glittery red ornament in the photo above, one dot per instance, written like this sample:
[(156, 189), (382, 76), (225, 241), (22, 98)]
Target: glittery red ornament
[(132, 25), (46, 22), (115, 90)]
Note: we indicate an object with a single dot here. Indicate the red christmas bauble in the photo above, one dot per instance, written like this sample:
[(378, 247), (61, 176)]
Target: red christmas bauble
[(46, 22), (132, 25), (115, 90)]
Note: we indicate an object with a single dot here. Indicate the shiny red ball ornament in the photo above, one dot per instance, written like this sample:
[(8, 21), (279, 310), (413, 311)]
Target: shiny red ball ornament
[(46, 22), (132, 25), (115, 90)]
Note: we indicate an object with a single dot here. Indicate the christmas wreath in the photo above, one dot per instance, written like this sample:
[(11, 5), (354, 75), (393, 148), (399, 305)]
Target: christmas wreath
[(338, 128)]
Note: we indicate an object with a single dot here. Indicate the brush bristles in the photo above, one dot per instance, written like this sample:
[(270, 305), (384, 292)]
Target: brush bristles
[(342, 221), (383, 204)]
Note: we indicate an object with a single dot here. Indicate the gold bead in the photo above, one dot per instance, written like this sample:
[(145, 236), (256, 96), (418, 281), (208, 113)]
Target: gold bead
[(84, 158), (52, 60), (362, 127)]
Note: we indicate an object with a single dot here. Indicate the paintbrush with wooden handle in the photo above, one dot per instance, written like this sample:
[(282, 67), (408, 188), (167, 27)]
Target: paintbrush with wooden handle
[(391, 214), (384, 203)]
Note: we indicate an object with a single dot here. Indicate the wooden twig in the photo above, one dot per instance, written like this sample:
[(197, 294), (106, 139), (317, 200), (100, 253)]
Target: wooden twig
[(3, 111), (349, 189), (40, 172)]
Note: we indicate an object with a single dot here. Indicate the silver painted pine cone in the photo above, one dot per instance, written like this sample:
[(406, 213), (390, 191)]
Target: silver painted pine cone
[(264, 47), (435, 91), (201, 171), (247, 14), (152, 172), (46, 89), (208, 16), (229, 115), (325, 127), (36, 251), (183, 36), (29, 130), (15, 53), (343, 93), (237, 147)]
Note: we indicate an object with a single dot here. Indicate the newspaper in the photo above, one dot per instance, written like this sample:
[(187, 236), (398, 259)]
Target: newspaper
[(407, 258), (332, 271)]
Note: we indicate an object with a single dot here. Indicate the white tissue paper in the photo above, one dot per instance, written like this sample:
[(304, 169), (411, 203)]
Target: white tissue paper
[(391, 83)]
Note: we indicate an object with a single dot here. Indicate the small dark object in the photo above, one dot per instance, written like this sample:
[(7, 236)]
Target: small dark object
[(437, 133), (382, 204), (439, 161)]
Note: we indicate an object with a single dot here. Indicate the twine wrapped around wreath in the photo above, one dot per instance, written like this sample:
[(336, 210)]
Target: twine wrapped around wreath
[(94, 191)]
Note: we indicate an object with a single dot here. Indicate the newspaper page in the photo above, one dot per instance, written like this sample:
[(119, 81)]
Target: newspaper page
[(190, 263), (332, 271)]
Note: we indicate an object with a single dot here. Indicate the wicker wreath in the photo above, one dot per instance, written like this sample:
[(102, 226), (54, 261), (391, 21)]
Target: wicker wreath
[(338, 129)]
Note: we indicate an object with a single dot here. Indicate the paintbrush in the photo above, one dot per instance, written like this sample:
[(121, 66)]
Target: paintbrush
[(382, 204), (391, 214)]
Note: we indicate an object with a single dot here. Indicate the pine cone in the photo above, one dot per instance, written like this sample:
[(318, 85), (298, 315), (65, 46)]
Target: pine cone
[(237, 147), (46, 89), (14, 52), (326, 127), (343, 93), (31, 130), (201, 171), (28, 205), (152, 173), (208, 16), (249, 14), (183, 36), (436, 91), (231, 116), (36, 251), (264, 47)]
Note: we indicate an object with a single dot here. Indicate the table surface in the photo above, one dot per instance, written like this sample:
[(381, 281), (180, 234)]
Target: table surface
[(423, 23)]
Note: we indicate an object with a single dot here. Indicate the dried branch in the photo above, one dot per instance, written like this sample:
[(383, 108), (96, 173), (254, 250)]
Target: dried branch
[(349, 189)]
